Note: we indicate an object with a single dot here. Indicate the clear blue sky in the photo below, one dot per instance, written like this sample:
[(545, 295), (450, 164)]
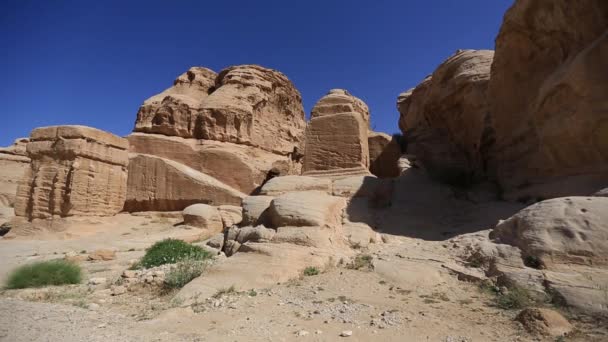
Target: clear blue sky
[(94, 62)]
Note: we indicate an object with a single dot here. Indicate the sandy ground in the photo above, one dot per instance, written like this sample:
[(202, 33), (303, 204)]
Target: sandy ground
[(410, 294)]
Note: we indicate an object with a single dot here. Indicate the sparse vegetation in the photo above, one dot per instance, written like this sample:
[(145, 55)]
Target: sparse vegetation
[(311, 271), (171, 251), (533, 261), (252, 293), (225, 292), (361, 261), (514, 297), (183, 273), (44, 273)]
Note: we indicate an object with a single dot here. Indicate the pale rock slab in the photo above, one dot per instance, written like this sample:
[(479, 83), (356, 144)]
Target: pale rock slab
[(203, 216), (158, 184), (306, 208), (282, 185), (255, 209)]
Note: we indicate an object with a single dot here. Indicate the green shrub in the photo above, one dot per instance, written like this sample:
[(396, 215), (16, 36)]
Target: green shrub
[(225, 292), (183, 273), (44, 273), (171, 251), (361, 261), (311, 271), (515, 298)]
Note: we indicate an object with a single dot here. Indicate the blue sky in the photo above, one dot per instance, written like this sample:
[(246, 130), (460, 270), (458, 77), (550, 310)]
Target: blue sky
[(94, 62)]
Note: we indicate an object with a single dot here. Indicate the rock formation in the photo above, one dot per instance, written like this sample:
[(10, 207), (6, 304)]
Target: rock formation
[(336, 136), (245, 104), (13, 162), (158, 184), (548, 98), (384, 154), (75, 170), (443, 119)]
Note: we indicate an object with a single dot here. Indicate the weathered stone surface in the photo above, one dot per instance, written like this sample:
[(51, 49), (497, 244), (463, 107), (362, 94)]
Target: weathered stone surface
[(13, 164), (306, 208), (384, 153), (75, 170), (257, 234), (560, 250), (158, 184), (281, 185), (231, 214), (549, 106), (102, 255), (255, 209), (242, 167), (336, 136), (203, 216), (541, 321), (174, 111), (443, 119), (560, 231), (356, 186), (245, 104)]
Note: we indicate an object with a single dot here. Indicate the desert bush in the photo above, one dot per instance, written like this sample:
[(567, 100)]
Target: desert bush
[(171, 251), (515, 298), (183, 273), (361, 261), (225, 292), (44, 273), (311, 271)]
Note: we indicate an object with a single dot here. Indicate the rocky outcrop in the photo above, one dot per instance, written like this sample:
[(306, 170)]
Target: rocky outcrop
[(542, 321), (244, 168), (245, 104), (158, 184), (255, 209), (306, 208), (204, 216), (444, 118), (548, 98), (13, 162), (336, 136), (384, 154), (174, 111), (75, 170), (558, 248), (560, 231)]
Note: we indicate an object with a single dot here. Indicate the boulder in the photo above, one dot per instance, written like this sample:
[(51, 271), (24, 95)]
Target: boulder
[(244, 104), (231, 214), (560, 231), (306, 208), (281, 185), (256, 234), (549, 109), (341, 112), (75, 170), (255, 209), (203, 216), (384, 153), (443, 119), (158, 184), (102, 255), (601, 193), (248, 166), (547, 322), (173, 112)]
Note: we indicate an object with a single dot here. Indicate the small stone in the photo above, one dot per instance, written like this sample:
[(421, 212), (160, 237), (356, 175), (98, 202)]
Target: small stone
[(118, 290), (102, 255), (318, 332), (346, 333), (93, 306), (97, 281), (129, 274), (302, 333)]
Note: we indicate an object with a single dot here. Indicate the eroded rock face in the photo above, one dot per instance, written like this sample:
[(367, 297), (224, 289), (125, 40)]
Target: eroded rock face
[(548, 98), (13, 164), (560, 230), (443, 119), (306, 208), (75, 170), (384, 154), (173, 112), (203, 216), (158, 184), (244, 168), (341, 112), (245, 104)]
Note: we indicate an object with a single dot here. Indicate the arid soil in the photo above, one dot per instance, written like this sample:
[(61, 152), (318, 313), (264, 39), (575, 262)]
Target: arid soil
[(409, 292)]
